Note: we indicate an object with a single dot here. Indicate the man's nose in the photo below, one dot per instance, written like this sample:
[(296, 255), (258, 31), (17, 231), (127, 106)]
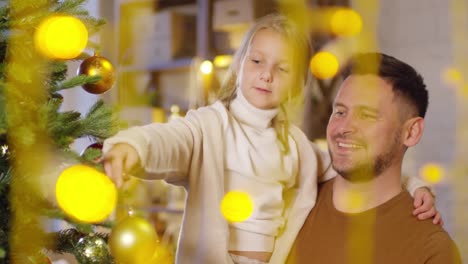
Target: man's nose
[(348, 125)]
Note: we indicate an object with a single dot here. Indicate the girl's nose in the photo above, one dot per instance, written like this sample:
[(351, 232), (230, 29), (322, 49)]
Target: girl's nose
[(266, 76)]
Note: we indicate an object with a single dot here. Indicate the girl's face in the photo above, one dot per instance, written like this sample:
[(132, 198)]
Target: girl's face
[(266, 70)]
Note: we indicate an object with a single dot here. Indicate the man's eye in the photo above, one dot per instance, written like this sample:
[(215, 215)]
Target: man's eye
[(368, 116), (338, 113)]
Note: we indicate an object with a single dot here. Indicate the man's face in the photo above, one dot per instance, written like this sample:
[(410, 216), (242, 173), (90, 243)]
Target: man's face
[(364, 130)]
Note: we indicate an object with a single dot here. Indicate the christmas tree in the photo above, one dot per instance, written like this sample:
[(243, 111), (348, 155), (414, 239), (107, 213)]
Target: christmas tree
[(35, 136)]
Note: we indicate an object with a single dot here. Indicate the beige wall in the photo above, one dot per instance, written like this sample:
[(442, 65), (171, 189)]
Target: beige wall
[(420, 32)]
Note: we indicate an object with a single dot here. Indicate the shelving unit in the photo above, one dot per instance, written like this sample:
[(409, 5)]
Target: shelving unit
[(136, 81)]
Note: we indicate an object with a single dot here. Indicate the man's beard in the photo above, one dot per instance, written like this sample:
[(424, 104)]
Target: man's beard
[(371, 169)]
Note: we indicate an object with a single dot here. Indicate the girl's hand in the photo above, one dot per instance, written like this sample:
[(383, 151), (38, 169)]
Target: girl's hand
[(424, 204), (119, 161)]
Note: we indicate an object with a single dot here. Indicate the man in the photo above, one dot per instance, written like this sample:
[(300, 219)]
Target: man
[(364, 215)]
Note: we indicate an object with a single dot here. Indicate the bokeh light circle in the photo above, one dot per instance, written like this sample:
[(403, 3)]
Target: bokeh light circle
[(346, 22), (206, 67), (86, 194), (324, 65), (61, 37), (432, 173), (237, 206)]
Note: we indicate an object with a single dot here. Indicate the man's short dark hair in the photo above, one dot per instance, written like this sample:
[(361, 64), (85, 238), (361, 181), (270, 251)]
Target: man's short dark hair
[(405, 80)]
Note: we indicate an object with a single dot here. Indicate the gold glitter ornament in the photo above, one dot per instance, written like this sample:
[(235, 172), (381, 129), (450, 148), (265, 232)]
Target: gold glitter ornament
[(92, 250), (98, 66)]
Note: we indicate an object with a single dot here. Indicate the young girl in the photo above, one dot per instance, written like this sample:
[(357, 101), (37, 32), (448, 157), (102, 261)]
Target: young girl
[(241, 142)]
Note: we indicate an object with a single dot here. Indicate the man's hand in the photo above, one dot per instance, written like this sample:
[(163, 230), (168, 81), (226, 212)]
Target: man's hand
[(424, 204)]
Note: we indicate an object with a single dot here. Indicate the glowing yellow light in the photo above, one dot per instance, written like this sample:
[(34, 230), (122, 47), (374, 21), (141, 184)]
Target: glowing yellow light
[(432, 172), (4, 149), (206, 67), (61, 37), (236, 206), (346, 22), (85, 194), (452, 76), (222, 61), (324, 65)]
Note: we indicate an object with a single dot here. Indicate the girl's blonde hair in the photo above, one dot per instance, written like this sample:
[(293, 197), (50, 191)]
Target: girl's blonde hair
[(298, 41)]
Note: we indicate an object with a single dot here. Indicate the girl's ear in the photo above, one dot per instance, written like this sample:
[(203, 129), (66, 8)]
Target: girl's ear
[(413, 131)]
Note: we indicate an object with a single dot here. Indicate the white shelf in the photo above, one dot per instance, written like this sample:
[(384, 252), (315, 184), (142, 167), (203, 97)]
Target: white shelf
[(178, 64), (124, 2)]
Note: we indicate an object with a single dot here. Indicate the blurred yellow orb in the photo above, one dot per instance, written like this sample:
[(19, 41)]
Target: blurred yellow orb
[(133, 240), (206, 67), (324, 65), (346, 22), (236, 206), (432, 173), (61, 37), (85, 194), (222, 61), (452, 76)]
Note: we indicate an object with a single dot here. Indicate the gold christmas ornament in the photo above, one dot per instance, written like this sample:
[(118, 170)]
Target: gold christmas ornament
[(98, 66), (133, 240), (92, 249), (163, 255)]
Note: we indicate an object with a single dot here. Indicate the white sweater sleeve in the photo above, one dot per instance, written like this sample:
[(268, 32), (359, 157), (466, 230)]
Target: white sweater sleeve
[(324, 168), (413, 183), (165, 150)]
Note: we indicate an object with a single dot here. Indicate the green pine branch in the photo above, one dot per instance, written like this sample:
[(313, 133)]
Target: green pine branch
[(71, 6), (77, 81), (3, 124), (67, 241), (100, 121)]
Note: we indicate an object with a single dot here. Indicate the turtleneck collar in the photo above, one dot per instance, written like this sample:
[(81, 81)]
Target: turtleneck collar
[(246, 113)]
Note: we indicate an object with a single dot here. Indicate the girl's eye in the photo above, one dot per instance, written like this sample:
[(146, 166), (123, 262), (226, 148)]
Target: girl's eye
[(255, 61), (284, 69)]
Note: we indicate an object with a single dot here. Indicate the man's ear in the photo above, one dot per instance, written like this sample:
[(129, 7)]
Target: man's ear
[(413, 131)]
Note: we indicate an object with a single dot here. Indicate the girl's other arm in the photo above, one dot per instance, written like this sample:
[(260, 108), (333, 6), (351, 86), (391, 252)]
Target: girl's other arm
[(424, 200)]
